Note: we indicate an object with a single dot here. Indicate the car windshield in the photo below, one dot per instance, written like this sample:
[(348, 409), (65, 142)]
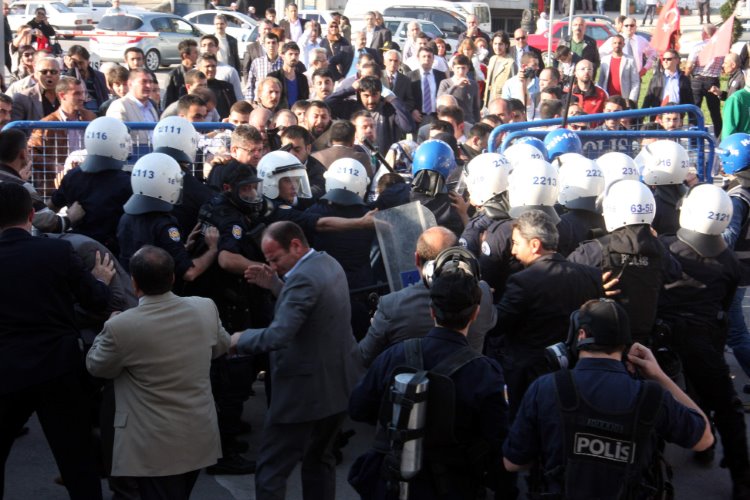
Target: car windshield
[(120, 23)]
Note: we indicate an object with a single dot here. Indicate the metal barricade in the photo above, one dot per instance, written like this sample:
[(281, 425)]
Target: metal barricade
[(57, 147), (698, 142)]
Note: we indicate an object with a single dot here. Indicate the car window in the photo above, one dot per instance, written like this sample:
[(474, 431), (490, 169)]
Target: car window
[(233, 22), (18, 9), (181, 27), (597, 32), (445, 21), (204, 18), (120, 23), (562, 32), (161, 24), (432, 30), (392, 26), (59, 7), (103, 5)]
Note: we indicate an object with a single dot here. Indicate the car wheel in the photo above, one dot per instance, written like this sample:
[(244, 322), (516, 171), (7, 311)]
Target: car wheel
[(153, 60)]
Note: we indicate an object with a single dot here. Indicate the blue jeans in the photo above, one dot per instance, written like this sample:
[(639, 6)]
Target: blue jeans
[(599, 7), (738, 338)]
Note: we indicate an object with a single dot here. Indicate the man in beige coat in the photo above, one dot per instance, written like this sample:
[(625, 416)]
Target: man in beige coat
[(159, 355)]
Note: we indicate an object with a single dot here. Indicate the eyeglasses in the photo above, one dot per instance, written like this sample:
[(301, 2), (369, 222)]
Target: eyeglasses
[(520, 38), (255, 150), (49, 71), (629, 25)]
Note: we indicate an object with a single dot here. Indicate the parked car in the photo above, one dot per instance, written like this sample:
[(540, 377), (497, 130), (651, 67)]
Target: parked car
[(239, 25), (598, 31), (398, 27), (59, 16), (322, 16), (449, 22), (156, 34), (97, 9), (598, 18)]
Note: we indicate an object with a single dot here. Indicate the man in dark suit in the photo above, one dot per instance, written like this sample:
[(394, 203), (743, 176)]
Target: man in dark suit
[(425, 78), (353, 52), (397, 82), (536, 305), (376, 35), (342, 146), (660, 92), (40, 356), (314, 362), (228, 52), (293, 25), (34, 103), (521, 46), (294, 84)]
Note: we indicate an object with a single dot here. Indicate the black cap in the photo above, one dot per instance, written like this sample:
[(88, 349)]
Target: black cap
[(606, 323), (390, 46), (238, 174), (455, 292)]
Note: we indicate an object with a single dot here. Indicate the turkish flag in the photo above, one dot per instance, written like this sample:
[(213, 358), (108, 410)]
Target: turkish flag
[(667, 24), (718, 45)]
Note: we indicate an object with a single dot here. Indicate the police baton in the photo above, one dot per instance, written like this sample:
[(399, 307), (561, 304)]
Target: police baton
[(380, 157), (566, 104)]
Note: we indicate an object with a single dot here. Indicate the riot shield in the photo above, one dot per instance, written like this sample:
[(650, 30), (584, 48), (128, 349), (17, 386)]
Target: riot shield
[(398, 229)]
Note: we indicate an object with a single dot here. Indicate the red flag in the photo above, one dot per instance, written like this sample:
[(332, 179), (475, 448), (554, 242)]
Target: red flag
[(718, 45), (667, 24)]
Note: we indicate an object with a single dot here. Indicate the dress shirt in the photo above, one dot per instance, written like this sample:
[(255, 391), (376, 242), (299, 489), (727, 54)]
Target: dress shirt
[(671, 91)]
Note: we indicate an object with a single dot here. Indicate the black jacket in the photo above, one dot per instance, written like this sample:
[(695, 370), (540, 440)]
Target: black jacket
[(416, 86), (656, 88), (303, 87), (590, 51)]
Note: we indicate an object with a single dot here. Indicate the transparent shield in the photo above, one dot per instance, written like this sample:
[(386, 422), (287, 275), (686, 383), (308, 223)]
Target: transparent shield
[(398, 229)]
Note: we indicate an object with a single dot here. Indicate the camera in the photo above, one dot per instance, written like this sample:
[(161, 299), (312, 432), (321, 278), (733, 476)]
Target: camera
[(529, 73)]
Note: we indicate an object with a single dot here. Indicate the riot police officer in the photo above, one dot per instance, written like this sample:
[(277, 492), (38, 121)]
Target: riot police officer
[(346, 185), (156, 181), (734, 153), (433, 162), (632, 253), (581, 181), (561, 141), (695, 308), (665, 166), (176, 137), (99, 184)]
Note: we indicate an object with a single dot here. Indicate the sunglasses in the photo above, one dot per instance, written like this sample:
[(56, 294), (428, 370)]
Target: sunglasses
[(667, 59), (49, 71), (629, 25)]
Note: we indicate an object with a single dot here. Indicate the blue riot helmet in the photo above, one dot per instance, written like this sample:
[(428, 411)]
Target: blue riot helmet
[(561, 141), (433, 162), (537, 143), (734, 153)]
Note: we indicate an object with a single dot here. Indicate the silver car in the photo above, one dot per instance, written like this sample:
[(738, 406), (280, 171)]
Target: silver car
[(157, 34)]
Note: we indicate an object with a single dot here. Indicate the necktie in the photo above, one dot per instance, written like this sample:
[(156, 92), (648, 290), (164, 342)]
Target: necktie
[(393, 81), (426, 95), (628, 47), (355, 61)]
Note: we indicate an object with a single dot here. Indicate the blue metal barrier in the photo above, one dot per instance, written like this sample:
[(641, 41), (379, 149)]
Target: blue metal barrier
[(624, 141)]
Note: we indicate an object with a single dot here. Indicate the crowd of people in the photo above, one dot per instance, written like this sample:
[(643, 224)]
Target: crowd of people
[(186, 264)]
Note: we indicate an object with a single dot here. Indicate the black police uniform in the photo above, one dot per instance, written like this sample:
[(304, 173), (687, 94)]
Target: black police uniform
[(577, 226), (194, 194), (695, 307), (534, 313), (480, 423), (604, 384), (493, 210), (240, 304), (440, 205), (160, 229), (667, 214), (643, 265), (350, 248), (102, 195)]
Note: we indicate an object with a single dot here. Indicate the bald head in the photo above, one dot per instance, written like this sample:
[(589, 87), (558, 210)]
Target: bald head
[(260, 118), (433, 241), (446, 100)]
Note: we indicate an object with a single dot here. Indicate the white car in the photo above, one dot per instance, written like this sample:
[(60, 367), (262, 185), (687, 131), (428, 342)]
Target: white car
[(239, 25), (59, 16), (399, 25)]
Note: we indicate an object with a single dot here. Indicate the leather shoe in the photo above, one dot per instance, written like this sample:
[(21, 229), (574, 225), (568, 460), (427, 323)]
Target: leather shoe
[(232, 465), (233, 446)]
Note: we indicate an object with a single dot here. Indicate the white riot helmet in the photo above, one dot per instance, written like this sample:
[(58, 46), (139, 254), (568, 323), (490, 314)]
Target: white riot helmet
[(663, 162), (533, 187), (487, 177), (346, 182), (276, 165), (108, 144), (521, 152), (157, 184), (705, 213), (628, 202), (176, 137), (616, 166), (580, 181)]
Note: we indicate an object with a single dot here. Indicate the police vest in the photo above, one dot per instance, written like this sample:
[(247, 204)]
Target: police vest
[(495, 258), (471, 238), (742, 246), (636, 257), (606, 454)]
